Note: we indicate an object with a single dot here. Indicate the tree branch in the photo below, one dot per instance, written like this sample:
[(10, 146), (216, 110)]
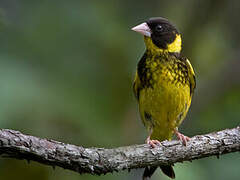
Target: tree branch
[(101, 161)]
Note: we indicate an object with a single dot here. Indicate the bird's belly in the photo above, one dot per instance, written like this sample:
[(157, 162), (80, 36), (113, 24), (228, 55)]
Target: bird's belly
[(163, 107)]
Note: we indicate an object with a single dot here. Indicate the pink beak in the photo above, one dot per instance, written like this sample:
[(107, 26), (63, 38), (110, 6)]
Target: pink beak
[(143, 29)]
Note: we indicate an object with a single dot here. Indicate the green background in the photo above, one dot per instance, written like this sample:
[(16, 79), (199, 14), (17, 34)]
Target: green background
[(66, 72)]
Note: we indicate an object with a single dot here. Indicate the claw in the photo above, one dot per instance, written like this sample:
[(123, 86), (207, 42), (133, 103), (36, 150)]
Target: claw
[(153, 143), (184, 139)]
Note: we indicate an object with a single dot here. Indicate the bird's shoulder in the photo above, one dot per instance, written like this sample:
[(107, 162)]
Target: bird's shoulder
[(190, 73), (141, 70)]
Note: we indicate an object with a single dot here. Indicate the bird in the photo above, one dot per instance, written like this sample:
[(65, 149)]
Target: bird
[(163, 85)]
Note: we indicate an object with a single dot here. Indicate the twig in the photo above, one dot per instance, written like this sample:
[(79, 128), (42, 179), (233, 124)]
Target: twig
[(14, 144)]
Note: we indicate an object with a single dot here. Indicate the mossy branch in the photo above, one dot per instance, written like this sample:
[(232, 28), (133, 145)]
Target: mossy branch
[(14, 144)]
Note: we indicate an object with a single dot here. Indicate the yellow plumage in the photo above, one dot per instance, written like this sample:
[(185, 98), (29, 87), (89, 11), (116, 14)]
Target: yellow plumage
[(163, 85), (166, 96)]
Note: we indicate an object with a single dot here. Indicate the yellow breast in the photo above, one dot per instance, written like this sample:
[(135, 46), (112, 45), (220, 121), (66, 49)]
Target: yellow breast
[(165, 96)]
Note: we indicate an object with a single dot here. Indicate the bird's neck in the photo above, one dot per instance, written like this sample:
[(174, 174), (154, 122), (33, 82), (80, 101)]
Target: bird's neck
[(174, 47)]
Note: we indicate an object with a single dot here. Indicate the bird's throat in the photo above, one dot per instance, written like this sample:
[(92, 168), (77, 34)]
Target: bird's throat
[(174, 47)]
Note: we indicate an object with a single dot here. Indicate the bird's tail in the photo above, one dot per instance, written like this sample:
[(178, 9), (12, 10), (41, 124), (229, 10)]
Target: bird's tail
[(166, 169)]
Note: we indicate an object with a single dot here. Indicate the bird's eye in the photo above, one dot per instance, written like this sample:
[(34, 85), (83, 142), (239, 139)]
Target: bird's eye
[(159, 28)]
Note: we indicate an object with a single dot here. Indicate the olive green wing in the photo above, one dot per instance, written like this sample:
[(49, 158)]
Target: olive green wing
[(136, 86), (191, 76)]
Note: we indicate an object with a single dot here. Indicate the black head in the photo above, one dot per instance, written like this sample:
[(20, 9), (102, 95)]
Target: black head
[(163, 32)]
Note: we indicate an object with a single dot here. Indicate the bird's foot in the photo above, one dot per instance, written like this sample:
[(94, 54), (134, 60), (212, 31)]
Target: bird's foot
[(153, 143), (184, 139)]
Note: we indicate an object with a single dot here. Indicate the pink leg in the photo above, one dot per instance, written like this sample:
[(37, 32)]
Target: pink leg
[(152, 143), (184, 139)]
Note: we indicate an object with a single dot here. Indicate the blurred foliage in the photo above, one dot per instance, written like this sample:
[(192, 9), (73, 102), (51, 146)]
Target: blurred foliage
[(66, 70)]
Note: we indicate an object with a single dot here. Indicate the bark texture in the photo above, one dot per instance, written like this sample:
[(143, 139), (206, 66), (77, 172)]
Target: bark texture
[(98, 161)]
